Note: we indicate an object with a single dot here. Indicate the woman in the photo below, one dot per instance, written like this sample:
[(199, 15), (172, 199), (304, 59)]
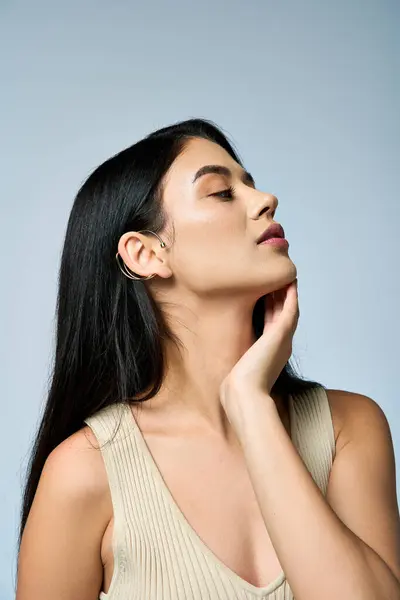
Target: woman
[(236, 478)]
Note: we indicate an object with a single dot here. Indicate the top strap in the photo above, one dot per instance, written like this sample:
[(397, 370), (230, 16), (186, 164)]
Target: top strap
[(313, 433)]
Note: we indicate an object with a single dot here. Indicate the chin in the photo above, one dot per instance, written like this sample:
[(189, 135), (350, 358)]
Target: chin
[(286, 272), (293, 271), (284, 275)]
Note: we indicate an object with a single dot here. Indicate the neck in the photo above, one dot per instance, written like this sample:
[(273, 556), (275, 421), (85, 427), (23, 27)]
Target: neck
[(210, 346)]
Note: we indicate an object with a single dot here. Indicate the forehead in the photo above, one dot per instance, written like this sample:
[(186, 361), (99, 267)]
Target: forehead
[(197, 153)]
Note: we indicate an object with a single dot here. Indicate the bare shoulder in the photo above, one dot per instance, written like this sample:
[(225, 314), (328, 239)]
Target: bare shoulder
[(351, 412), (365, 467), (63, 533), (79, 464)]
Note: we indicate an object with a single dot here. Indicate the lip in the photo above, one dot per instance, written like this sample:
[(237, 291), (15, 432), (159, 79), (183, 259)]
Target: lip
[(277, 242), (275, 230)]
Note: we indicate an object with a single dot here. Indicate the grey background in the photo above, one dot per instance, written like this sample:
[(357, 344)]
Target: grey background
[(309, 93)]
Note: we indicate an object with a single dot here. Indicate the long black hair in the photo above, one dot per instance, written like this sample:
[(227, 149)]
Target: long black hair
[(109, 330)]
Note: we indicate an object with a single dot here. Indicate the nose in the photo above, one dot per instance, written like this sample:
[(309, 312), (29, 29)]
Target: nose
[(263, 203)]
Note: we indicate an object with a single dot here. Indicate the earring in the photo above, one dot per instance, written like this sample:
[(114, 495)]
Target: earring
[(126, 271)]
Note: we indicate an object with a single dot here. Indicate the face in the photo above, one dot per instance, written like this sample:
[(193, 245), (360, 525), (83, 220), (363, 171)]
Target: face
[(214, 250)]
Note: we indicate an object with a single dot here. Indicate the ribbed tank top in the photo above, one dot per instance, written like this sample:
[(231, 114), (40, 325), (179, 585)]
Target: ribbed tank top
[(157, 554)]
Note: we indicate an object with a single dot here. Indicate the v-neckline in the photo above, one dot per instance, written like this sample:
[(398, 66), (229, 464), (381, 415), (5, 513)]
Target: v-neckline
[(258, 591)]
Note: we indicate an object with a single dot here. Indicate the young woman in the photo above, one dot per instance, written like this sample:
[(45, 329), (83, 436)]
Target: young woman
[(179, 455)]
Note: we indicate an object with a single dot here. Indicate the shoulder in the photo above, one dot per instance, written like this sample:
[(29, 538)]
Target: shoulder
[(76, 466), (355, 414), (364, 467), (70, 511)]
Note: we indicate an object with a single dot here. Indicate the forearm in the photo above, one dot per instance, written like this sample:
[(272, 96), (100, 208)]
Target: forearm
[(321, 557)]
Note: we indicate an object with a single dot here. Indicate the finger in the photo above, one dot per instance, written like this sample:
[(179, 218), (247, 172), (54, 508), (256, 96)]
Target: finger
[(280, 299), (269, 308), (291, 307)]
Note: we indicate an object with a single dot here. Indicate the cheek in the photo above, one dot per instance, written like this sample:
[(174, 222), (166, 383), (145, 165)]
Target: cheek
[(207, 240), (216, 228), (209, 256)]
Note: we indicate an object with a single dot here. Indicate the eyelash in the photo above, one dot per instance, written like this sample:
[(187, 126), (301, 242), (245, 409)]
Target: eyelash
[(230, 190)]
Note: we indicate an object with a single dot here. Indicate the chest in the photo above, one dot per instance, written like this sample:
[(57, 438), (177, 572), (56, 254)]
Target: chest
[(211, 487)]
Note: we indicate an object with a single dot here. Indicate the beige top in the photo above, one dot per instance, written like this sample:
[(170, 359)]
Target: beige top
[(157, 554)]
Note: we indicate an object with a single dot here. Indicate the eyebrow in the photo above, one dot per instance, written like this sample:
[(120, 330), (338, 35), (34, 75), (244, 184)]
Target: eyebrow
[(221, 170)]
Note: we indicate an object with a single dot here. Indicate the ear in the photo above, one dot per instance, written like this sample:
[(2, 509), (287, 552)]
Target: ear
[(143, 254)]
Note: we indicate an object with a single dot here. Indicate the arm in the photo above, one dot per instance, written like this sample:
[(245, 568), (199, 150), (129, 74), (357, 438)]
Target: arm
[(60, 547), (350, 551)]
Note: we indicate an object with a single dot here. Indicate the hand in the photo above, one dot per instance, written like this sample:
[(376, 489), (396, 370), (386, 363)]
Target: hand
[(259, 367)]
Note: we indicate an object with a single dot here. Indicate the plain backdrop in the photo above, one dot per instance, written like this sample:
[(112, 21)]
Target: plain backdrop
[(307, 91)]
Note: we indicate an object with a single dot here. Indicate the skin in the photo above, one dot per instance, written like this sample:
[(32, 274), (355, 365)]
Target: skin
[(208, 278)]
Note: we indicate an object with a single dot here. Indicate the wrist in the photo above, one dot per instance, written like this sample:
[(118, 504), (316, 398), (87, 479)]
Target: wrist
[(248, 408)]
